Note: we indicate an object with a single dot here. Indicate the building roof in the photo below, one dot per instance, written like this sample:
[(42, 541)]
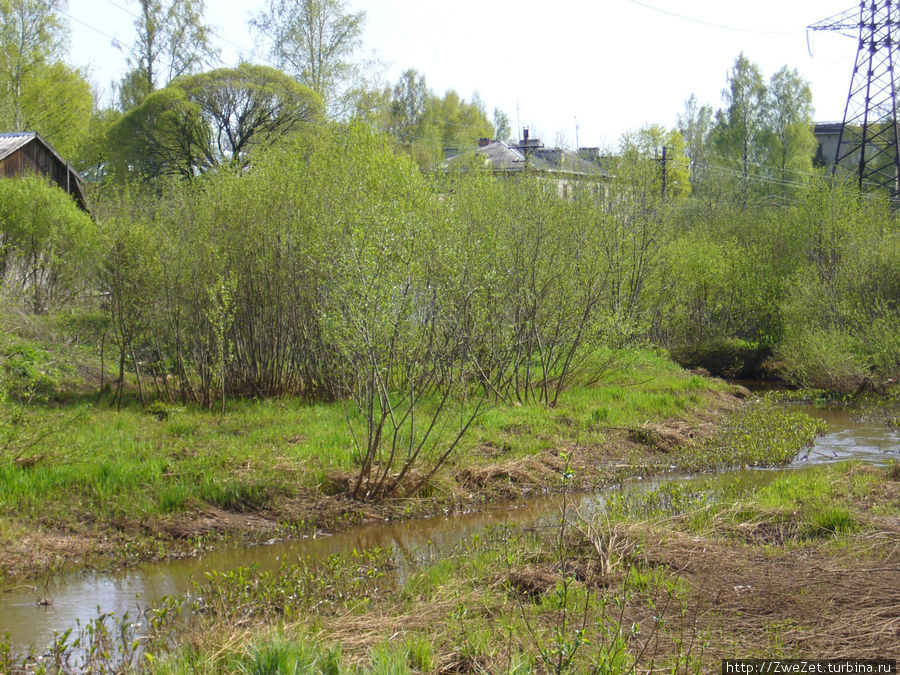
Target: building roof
[(12, 141), (504, 157), (501, 156), (827, 127)]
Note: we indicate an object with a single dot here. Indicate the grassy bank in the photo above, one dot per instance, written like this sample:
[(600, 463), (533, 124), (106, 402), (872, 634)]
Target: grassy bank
[(134, 484), (800, 564)]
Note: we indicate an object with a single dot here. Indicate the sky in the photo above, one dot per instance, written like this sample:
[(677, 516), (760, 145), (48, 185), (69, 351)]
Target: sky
[(589, 70)]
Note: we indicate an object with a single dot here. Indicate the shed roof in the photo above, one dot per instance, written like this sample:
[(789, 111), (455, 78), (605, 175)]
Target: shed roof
[(12, 141)]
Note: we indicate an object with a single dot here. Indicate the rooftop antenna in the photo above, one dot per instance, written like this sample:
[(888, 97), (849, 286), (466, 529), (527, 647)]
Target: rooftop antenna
[(576, 133), (869, 132), (518, 119)]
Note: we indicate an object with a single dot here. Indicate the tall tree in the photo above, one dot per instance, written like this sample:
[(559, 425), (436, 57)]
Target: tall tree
[(57, 102), (32, 34), (250, 105), (502, 130), (456, 124), (407, 106), (695, 125), (427, 125), (657, 155), (741, 125), (792, 143), (203, 121), (38, 92), (172, 40), (315, 41)]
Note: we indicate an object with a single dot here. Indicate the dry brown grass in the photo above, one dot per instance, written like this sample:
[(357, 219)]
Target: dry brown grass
[(809, 602)]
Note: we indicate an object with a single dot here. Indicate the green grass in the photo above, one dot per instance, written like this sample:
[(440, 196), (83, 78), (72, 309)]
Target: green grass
[(766, 434), (508, 600), (813, 504), (462, 612), (111, 466)]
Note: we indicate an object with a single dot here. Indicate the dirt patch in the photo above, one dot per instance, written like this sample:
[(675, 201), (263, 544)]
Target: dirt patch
[(25, 555), (213, 520), (356, 633), (532, 582), (665, 436), (509, 477)]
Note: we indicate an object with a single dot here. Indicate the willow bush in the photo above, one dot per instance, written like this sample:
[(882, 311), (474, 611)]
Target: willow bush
[(842, 305), (45, 244), (333, 269)]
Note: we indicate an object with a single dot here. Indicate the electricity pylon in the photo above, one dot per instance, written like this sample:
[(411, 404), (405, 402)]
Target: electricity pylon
[(868, 142)]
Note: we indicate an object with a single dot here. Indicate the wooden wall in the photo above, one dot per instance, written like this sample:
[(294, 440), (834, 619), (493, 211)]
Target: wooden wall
[(35, 158)]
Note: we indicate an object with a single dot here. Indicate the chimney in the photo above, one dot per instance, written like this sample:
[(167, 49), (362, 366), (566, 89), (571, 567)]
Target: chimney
[(483, 142)]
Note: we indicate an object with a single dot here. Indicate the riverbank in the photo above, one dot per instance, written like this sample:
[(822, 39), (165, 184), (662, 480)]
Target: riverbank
[(107, 488), (794, 564)]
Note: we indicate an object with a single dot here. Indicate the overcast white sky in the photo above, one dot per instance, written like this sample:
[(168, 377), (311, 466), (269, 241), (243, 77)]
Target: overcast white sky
[(615, 65)]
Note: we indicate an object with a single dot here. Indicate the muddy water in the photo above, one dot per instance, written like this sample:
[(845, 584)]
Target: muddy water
[(81, 596), (848, 438)]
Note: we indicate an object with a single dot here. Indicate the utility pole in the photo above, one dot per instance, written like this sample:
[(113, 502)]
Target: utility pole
[(526, 132), (665, 171), (869, 133), (518, 120)]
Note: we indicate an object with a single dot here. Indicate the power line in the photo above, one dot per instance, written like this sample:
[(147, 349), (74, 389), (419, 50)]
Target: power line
[(711, 24), (213, 30), (116, 42)]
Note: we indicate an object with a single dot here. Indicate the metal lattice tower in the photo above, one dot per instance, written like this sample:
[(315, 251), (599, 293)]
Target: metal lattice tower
[(868, 142)]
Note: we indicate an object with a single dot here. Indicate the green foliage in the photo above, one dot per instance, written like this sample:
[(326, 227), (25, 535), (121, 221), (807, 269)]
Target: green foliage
[(314, 40), (427, 125), (647, 145), (841, 311), (171, 41), (721, 280), (31, 36), (250, 106), (29, 373), (164, 135), (288, 657), (57, 102), (93, 153), (791, 142), (727, 357), (204, 121), (502, 128), (760, 145), (45, 241), (740, 126), (695, 126), (765, 434), (41, 93)]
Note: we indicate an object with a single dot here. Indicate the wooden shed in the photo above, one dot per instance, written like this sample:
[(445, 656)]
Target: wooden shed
[(26, 152)]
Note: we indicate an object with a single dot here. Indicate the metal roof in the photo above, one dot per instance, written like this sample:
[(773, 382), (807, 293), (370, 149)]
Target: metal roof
[(11, 142), (503, 157)]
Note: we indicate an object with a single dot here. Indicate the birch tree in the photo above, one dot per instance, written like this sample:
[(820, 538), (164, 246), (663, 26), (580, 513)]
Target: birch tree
[(315, 41)]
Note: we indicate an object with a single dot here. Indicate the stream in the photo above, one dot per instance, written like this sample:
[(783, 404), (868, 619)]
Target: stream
[(82, 595)]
